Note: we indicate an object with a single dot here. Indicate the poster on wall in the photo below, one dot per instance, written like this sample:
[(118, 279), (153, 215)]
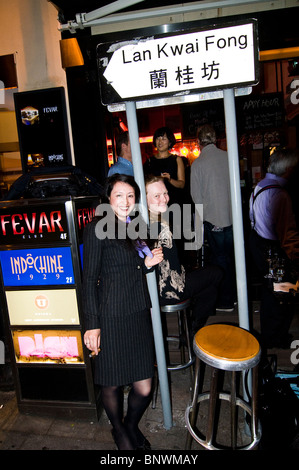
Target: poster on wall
[(48, 346), (42, 307), (37, 266), (42, 128)]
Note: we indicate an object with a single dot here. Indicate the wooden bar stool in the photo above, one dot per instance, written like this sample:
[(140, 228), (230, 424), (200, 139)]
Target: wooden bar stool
[(228, 348), (182, 338)]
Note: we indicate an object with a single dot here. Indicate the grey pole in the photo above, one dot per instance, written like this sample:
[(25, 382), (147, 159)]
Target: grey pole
[(233, 158), (151, 277)]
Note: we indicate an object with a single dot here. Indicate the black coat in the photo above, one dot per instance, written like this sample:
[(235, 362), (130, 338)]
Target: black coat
[(116, 299)]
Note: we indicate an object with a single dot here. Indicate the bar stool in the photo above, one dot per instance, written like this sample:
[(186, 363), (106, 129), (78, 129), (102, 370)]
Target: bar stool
[(228, 348), (182, 338)]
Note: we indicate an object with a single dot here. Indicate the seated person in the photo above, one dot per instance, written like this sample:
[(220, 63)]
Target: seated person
[(174, 283)]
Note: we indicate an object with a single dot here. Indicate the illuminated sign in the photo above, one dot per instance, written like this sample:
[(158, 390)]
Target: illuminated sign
[(43, 307), (33, 223), (42, 127), (48, 346), (200, 60), (43, 266), (85, 214)]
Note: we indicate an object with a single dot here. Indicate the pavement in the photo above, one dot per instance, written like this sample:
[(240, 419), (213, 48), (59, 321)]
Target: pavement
[(30, 432)]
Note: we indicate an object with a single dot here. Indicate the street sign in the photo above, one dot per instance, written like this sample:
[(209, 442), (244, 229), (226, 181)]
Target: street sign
[(180, 64)]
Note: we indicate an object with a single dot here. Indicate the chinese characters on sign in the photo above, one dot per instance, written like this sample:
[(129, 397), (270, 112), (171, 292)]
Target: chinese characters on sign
[(184, 76), (181, 63)]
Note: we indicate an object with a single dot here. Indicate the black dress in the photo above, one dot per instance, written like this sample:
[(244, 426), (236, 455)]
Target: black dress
[(116, 299), (157, 166)]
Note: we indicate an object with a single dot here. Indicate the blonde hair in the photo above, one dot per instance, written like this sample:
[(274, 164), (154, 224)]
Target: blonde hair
[(150, 179)]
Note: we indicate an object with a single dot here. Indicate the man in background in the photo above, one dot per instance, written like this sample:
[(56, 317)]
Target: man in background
[(210, 187), (274, 242), (124, 165)]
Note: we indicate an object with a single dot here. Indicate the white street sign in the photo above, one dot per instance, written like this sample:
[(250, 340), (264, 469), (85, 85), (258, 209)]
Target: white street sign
[(183, 63)]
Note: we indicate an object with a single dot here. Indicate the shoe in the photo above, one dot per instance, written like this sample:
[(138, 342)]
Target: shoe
[(138, 440), (225, 309), (145, 446), (122, 442)]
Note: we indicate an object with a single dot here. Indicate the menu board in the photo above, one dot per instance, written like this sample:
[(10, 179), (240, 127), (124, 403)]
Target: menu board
[(37, 266), (260, 111)]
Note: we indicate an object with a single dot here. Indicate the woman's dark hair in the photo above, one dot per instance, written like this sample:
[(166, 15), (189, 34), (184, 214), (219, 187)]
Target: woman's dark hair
[(122, 138), (169, 134), (118, 178), (109, 185)]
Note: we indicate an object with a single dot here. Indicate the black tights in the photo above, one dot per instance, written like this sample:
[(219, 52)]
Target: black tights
[(126, 433)]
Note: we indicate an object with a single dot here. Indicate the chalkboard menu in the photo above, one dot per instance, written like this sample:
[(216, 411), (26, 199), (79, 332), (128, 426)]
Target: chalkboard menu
[(254, 112), (258, 112), (205, 112)]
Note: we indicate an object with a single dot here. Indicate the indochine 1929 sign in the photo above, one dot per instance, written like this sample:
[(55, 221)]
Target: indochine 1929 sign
[(179, 64)]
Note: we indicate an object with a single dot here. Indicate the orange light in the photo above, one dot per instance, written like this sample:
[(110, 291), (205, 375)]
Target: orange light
[(184, 151), (196, 152), (148, 139), (71, 55)]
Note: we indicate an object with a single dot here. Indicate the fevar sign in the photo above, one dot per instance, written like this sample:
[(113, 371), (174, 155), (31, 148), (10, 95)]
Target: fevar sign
[(223, 56)]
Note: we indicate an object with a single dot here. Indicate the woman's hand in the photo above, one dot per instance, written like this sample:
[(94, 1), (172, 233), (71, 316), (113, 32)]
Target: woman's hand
[(166, 176), (155, 259), (92, 340)]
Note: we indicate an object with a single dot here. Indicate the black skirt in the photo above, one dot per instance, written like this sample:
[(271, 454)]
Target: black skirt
[(127, 349)]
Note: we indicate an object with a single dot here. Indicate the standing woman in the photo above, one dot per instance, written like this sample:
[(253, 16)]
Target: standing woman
[(116, 311), (167, 165)]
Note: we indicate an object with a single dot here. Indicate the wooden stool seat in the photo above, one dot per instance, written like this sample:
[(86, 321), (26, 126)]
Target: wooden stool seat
[(228, 348)]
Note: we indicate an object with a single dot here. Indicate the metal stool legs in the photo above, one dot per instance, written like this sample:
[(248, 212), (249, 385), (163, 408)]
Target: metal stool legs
[(182, 338), (217, 348)]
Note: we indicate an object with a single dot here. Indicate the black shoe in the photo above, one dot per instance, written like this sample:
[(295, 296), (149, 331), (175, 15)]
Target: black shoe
[(138, 440), (122, 441), (145, 445)]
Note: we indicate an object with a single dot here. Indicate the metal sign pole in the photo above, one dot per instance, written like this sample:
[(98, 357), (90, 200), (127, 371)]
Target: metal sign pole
[(151, 277), (232, 150), (233, 161)]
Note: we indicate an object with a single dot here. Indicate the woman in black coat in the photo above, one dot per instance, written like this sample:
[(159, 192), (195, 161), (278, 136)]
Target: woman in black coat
[(116, 311)]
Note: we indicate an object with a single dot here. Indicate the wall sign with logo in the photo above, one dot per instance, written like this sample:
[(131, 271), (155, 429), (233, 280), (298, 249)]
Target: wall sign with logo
[(43, 307), (36, 223), (48, 346), (42, 128), (37, 267), (40, 274)]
